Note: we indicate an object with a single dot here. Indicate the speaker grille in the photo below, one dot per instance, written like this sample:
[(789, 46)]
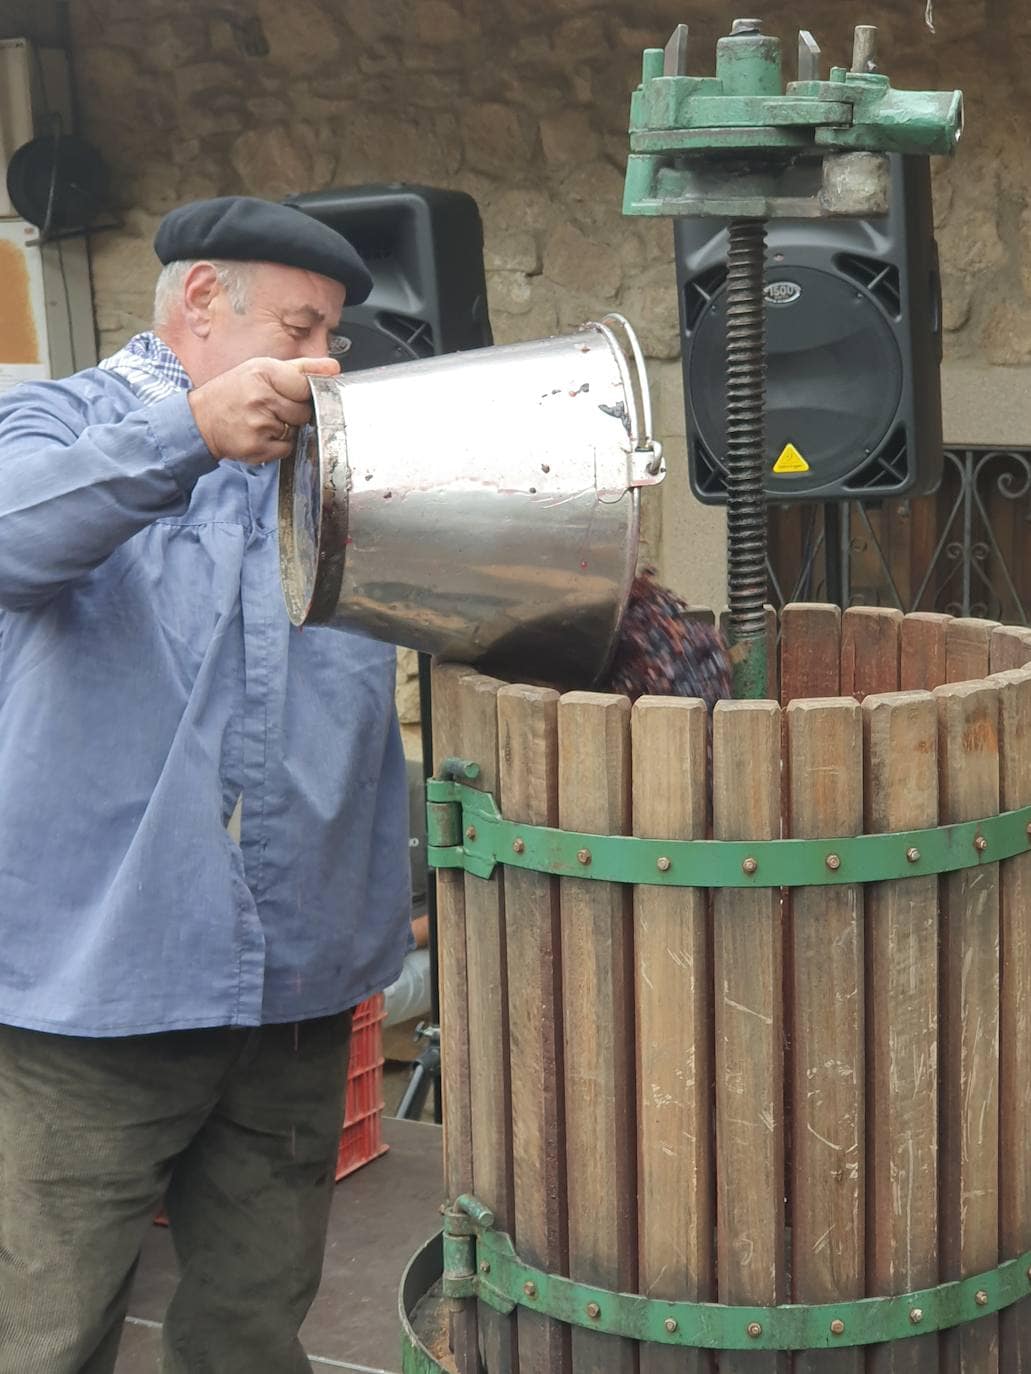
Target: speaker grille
[(880, 279), (887, 468), (413, 335), (699, 294)]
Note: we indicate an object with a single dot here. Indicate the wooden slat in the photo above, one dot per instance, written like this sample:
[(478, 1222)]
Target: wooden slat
[(528, 723), (489, 1082), (967, 648), (454, 1011), (598, 1020), (969, 779), (901, 792), (675, 1104), (1011, 648), (748, 969), (1015, 1018), (869, 650), (923, 664), (825, 753), (810, 651)]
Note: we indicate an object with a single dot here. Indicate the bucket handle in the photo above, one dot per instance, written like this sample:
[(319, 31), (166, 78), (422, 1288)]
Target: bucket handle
[(643, 440)]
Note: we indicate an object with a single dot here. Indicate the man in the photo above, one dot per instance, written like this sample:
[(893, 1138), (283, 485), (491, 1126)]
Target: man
[(174, 1003)]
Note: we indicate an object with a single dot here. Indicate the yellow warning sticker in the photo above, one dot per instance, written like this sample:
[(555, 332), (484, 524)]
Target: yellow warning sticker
[(790, 460)]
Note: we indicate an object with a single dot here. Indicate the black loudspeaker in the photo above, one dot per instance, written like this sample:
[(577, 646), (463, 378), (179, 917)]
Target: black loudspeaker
[(854, 350), (424, 248)]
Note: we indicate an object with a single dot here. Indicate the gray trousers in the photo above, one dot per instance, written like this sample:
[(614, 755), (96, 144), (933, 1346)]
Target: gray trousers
[(236, 1129)]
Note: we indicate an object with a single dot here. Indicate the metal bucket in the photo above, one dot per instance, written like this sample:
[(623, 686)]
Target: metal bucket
[(482, 507)]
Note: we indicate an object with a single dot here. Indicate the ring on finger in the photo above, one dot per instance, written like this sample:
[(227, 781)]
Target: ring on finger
[(284, 434)]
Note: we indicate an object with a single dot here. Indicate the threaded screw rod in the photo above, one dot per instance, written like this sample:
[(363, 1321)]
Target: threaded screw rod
[(746, 453)]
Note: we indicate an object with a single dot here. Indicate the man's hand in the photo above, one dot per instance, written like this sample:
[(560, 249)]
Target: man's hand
[(250, 413)]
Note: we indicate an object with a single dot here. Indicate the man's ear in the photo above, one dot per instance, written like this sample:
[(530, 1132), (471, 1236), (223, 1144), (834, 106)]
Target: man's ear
[(200, 289)]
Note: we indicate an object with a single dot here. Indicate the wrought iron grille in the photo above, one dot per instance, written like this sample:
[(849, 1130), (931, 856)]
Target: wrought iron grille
[(961, 551)]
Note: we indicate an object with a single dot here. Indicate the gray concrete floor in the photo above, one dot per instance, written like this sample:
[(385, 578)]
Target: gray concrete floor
[(381, 1216)]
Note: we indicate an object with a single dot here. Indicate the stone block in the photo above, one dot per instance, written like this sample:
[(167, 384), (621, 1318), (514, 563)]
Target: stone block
[(569, 137), (437, 24), (496, 139), (652, 310), (509, 293), (275, 162), (582, 265), (511, 250), (957, 301), (300, 34), (1006, 336)]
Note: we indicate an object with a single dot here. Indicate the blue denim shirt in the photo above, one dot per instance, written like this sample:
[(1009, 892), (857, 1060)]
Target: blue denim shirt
[(149, 676)]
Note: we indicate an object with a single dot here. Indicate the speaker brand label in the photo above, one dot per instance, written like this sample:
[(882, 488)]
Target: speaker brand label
[(790, 460), (782, 292)]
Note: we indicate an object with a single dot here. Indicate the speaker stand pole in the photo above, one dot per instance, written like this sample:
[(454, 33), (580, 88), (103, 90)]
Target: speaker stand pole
[(426, 1069), (837, 539)]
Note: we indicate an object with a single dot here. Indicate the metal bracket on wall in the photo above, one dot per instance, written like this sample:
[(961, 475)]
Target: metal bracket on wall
[(495, 1274), (466, 830)]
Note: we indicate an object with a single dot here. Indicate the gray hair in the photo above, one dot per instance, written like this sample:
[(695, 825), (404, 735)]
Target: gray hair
[(233, 277)]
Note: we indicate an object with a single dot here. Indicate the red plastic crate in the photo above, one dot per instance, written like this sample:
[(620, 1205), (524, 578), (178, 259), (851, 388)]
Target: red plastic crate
[(362, 1137)]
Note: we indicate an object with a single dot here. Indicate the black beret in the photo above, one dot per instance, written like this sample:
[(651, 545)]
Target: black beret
[(244, 229)]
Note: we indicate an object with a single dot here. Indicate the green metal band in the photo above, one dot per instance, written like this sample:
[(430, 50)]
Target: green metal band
[(466, 830), (503, 1280)]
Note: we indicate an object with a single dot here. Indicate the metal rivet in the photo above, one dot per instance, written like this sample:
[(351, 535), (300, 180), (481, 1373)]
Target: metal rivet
[(833, 862), (583, 856), (913, 855), (754, 1330), (519, 846), (470, 834), (837, 1327), (593, 1310), (1029, 831), (980, 844), (530, 1289), (484, 1266), (981, 1298), (1029, 1273), (664, 865), (750, 866), (670, 1324), (916, 1315)]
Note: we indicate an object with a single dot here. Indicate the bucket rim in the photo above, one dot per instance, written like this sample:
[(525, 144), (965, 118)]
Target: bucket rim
[(311, 573)]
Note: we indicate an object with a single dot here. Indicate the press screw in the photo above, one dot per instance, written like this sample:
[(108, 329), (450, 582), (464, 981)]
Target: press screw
[(913, 855), (981, 1298), (484, 1266), (749, 866), (664, 865), (518, 846), (754, 1330), (530, 1289), (583, 856), (833, 862), (593, 1310), (670, 1324), (980, 844), (916, 1315), (837, 1327), (470, 834)]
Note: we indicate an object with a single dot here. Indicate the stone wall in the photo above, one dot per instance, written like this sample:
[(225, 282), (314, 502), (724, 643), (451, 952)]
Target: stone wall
[(522, 103)]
